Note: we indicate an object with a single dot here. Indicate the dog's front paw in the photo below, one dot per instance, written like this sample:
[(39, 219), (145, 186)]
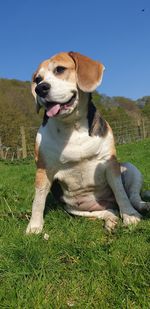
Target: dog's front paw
[(129, 219), (110, 223), (34, 227)]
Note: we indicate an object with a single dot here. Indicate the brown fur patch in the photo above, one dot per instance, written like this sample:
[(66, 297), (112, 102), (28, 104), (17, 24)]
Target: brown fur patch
[(89, 72), (63, 59), (114, 165), (41, 178), (38, 157), (36, 152), (43, 65)]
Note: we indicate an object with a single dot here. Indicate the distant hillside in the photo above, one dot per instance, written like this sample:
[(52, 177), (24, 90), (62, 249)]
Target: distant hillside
[(17, 105), (143, 102), (119, 108)]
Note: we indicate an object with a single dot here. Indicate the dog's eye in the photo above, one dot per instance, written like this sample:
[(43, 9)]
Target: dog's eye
[(38, 79), (59, 70)]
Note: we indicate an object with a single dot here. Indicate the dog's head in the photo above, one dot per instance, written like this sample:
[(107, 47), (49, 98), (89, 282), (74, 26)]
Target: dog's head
[(57, 82)]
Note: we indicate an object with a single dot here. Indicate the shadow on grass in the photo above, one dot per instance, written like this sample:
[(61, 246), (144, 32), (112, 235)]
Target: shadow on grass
[(52, 204), (54, 198)]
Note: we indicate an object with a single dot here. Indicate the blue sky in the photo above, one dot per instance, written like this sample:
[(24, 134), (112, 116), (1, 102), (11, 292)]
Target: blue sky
[(115, 32)]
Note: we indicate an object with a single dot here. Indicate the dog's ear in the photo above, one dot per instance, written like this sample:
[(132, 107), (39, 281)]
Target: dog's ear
[(89, 72), (38, 106)]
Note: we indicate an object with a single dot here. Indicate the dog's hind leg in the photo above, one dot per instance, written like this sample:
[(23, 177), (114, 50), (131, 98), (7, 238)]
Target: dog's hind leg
[(127, 212), (109, 216), (133, 180)]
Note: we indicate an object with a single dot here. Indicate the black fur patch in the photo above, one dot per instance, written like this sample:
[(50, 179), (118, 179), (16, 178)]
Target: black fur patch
[(45, 119), (97, 125)]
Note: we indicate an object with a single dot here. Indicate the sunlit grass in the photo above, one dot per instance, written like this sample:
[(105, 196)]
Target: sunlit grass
[(80, 265)]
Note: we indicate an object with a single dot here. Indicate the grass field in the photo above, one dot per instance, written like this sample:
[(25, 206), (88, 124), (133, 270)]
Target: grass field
[(80, 265)]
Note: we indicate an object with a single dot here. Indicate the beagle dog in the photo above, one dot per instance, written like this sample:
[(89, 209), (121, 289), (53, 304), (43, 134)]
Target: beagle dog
[(75, 147)]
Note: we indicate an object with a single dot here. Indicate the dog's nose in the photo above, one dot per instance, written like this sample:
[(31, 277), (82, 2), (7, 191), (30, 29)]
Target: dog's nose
[(42, 89)]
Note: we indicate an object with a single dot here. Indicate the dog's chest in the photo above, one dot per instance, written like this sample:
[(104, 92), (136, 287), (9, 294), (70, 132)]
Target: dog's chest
[(81, 176), (80, 146), (60, 147)]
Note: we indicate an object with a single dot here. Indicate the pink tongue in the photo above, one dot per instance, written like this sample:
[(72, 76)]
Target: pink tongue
[(53, 110)]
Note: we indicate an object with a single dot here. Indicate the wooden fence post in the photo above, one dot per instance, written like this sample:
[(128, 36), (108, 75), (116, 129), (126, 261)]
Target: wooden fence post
[(143, 127), (139, 129), (1, 150), (23, 142)]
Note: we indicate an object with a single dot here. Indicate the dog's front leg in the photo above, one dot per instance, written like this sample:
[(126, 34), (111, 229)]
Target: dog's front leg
[(42, 187), (127, 212)]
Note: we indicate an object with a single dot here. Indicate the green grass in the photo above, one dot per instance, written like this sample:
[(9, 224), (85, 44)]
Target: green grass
[(81, 265)]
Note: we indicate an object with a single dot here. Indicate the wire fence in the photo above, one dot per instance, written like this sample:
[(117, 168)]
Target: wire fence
[(18, 142)]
